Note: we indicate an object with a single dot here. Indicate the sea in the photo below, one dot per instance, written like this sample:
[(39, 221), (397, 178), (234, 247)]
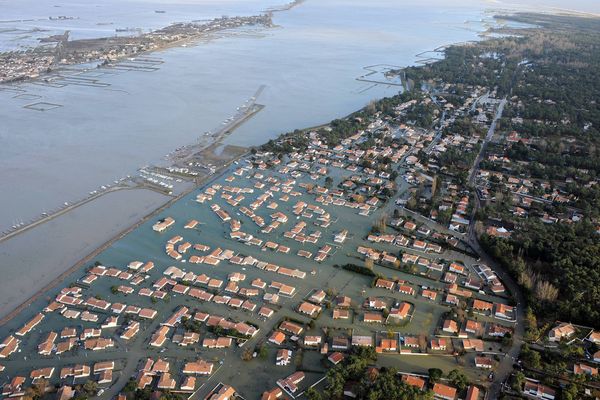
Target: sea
[(60, 142)]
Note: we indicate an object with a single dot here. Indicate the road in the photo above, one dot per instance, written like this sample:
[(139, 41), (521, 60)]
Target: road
[(486, 140), (438, 134), (505, 366), (62, 211)]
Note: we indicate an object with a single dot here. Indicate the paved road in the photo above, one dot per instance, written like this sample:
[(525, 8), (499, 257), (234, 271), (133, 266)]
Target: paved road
[(486, 140), (438, 134), (504, 367)]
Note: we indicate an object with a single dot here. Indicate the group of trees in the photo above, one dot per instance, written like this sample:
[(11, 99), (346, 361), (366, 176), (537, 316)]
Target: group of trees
[(560, 256), (556, 162), (554, 72), (134, 393), (371, 383), (422, 114)]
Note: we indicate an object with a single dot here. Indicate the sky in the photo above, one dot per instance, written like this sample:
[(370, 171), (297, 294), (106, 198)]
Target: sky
[(588, 6), (585, 6)]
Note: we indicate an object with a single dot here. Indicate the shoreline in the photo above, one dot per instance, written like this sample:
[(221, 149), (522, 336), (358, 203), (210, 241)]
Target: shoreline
[(45, 60), (154, 41), (86, 259), (204, 181), (89, 257)]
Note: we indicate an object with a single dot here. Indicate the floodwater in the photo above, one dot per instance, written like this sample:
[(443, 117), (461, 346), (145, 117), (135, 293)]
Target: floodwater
[(35, 258), (309, 64), (144, 244), (96, 134)]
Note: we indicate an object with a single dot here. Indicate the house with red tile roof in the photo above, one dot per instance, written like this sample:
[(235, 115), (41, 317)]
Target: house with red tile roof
[(562, 331), (336, 357), (413, 380), (444, 392), (277, 338)]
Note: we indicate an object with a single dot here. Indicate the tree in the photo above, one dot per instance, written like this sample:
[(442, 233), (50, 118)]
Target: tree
[(531, 357), (262, 352), (518, 381), (545, 291), (335, 383), (171, 396), (328, 182), (312, 394), (570, 392), (532, 331), (507, 340), (247, 355), (36, 390), (131, 386), (458, 379), (90, 387), (380, 225), (435, 374)]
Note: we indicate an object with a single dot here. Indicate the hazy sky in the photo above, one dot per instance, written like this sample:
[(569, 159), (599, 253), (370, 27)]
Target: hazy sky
[(591, 6), (587, 6)]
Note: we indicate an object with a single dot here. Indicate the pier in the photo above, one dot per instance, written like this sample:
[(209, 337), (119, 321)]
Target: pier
[(245, 112), (180, 156)]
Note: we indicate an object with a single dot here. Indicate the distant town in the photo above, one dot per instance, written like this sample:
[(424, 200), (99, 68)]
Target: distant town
[(59, 51)]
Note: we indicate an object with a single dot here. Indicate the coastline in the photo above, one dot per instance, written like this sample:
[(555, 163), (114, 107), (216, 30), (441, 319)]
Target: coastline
[(441, 254), (120, 234), (90, 257), (100, 50)]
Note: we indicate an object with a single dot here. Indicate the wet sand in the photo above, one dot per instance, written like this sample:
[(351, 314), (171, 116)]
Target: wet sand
[(34, 259)]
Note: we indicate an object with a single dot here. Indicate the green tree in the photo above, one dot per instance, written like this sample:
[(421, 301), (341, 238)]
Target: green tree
[(90, 387), (312, 394), (458, 379), (435, 374), (570, 392), (328, 182), (262, 352), (518, 381), (531, 358)]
